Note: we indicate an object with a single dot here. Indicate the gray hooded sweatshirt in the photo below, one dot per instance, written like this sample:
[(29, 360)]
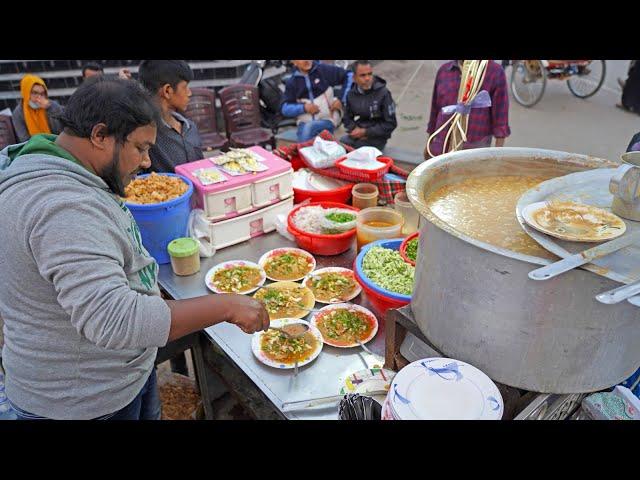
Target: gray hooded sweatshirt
[(82, 310)]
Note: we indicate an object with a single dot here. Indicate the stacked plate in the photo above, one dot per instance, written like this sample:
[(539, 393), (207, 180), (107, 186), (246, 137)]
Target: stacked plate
[(442, 389)]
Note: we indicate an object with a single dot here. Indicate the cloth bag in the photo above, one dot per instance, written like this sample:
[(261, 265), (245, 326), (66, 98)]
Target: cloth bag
[(198, 229)]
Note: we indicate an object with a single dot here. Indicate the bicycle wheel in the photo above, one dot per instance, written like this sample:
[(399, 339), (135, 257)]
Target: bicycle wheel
[(528, 81), (586, 85)]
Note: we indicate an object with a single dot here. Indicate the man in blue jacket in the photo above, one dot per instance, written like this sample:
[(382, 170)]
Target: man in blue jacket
[(370, 113), (309, 96)]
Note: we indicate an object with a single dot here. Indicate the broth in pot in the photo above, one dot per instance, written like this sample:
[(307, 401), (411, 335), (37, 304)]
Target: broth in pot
[(484, 208)]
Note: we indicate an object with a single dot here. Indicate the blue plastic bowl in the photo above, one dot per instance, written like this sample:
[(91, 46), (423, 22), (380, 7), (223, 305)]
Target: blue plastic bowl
[(392, 243), (160, 223)]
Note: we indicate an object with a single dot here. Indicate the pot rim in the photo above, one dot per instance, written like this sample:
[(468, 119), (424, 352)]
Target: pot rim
[(420, 174)]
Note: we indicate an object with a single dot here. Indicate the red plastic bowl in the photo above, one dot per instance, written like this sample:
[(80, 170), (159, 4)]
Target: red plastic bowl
[(381, 303), (318, 243), (337, 195), (403, 248)]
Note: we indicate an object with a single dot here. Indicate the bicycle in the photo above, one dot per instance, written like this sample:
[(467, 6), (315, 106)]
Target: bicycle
[(529, 78)]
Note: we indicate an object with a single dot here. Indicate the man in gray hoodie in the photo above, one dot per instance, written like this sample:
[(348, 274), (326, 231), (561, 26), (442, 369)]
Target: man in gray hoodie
[(80, 300)]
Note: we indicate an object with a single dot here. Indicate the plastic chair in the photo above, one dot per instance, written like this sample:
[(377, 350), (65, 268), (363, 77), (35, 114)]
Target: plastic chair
[(7, 133), (202, 111), (241, 109)]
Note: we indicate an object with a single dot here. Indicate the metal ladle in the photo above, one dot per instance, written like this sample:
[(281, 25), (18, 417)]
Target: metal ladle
[(294, 330)]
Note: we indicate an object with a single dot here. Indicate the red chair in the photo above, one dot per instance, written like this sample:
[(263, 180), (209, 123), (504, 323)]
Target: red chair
[(7, 133), (241, 109), (202, 111)]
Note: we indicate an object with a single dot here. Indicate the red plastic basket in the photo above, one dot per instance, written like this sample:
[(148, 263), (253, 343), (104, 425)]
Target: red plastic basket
[(318, 243), (366, 175)]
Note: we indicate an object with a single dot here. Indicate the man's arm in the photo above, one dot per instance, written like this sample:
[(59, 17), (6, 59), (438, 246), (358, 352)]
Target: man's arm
[(80, 251), (347, 119), (290, 106), (337, 76), (86, 271), (194, 314), (500, 108), (388, 124), (433, 114)]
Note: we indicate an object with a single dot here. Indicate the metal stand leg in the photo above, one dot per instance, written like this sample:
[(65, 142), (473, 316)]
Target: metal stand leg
[(201, 376)]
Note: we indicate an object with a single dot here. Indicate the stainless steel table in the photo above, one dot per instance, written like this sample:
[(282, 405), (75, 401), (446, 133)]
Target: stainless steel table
[(322, 377)]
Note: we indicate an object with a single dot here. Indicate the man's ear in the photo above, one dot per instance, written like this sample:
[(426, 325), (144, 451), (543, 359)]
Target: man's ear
[(99, 136), (166, 91)]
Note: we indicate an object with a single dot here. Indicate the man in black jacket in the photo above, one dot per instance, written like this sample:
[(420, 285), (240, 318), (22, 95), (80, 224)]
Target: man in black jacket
[(370, 114)]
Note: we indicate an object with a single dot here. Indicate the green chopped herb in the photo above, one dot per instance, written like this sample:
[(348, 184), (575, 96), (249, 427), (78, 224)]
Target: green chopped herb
[(340, 217), (412, 249)]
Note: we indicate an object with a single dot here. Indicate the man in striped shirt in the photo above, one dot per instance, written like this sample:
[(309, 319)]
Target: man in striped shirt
[(484, 123)]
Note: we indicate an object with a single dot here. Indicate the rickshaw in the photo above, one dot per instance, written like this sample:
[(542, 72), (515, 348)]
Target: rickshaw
[(529, 78)]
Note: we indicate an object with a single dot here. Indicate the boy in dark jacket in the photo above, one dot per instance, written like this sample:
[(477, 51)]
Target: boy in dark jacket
[(370, 113), (308, 96)]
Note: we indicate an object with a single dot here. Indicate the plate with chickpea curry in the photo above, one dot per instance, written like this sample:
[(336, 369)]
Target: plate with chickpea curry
[(287, 264), (333, 285), (275, 349), (286, 300), (235, 276), (344, 324)]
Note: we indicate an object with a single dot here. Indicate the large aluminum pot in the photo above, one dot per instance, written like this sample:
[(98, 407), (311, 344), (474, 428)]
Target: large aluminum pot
[(475, 302)]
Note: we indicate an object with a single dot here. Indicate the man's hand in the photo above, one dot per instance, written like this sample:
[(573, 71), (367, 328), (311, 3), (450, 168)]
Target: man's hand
[(358, 133), (194, 314), (499, 142), (336, 105), (44, 102), (245, 312), (124, 73), (311, 108)]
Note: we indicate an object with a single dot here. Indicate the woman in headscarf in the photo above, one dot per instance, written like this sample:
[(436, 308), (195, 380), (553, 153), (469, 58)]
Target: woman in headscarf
[(36, 113)]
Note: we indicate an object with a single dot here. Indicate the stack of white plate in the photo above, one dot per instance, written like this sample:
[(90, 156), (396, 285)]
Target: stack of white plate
[(442, 389), (305, 179)]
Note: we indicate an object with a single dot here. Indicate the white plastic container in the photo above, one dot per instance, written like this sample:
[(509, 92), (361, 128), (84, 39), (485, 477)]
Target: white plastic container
[(272, 189), (235, 230), (241, 194), (228, 203)]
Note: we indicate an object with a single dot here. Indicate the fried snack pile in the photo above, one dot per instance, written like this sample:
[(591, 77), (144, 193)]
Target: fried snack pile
[(154, 189)]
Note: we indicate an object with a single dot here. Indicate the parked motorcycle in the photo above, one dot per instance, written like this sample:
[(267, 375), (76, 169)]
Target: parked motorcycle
[(271, 91)]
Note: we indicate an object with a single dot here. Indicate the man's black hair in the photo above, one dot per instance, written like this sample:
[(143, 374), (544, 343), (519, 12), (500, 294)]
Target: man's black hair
[(91, 66), (122, 105), (153, 74), (354, 67)]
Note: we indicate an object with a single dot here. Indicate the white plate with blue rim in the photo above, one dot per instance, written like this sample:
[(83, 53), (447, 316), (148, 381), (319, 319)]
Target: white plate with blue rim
[(444, 389)]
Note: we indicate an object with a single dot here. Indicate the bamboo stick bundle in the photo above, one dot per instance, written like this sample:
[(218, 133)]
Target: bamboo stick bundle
[(473, 72)]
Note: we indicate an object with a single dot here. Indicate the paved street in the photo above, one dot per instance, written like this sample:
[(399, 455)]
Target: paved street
[(559, 121)]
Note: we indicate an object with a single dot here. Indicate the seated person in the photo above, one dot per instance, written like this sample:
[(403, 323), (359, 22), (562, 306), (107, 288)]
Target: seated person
[(178, 140), (369, 113), (91, 70), (308, 96), (35, 113)]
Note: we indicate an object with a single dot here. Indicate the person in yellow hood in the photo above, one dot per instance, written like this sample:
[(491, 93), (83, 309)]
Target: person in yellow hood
[(35, 113)]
